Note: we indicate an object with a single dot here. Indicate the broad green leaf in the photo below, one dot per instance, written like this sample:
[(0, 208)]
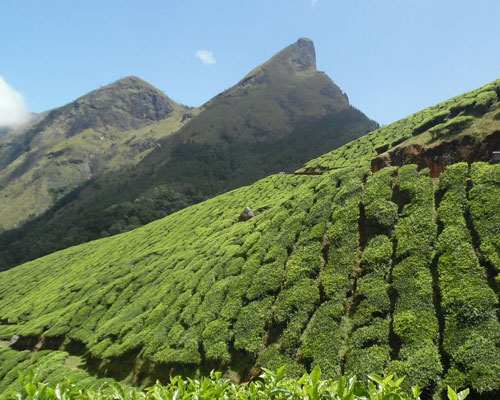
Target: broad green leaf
[(376, 378), (451, 394), (463, 394), (316, 374)]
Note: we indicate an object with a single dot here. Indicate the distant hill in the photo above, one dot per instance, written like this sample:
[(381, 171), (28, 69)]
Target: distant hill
[(96, 133), (362, 262), (277, 117)]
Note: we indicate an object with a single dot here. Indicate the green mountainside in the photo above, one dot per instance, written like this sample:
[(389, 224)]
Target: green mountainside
[(362, 262), (463, 128), (281, 115), (98, 132)]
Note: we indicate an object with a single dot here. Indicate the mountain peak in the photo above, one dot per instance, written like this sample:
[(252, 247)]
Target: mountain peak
[(131, 82), (299, 56), (306, 54), (128, 103)]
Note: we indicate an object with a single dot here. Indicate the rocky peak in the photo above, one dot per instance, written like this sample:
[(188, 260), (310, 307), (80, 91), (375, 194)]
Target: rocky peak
[(305, 53), (299, 56)]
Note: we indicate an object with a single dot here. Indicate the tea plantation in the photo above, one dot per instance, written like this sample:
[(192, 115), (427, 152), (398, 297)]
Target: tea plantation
[(354, 272), (430, 126)]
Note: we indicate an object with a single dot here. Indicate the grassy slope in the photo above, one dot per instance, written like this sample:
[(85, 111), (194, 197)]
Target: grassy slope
[(299, 283), (269, 101), (390, 272)]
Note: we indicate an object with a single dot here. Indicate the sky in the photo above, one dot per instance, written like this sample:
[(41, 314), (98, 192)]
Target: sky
[(392, 57)]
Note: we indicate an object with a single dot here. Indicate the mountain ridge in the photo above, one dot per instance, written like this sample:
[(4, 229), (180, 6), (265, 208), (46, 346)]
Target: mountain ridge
[(241, 135)]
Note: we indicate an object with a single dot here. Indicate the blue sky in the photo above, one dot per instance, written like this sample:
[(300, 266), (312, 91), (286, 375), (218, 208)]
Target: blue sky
[(392, 57)]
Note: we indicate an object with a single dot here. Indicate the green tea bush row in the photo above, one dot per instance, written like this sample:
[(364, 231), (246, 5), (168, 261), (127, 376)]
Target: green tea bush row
[(452, 126), (414, 320), (343, 238), (484, 209), (52, 366), (472, 331), (361, 151), (380, 211), (322, 339), (368, 346)]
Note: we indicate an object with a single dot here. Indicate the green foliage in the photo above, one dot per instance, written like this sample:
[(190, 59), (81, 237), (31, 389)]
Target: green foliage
[(52, 368), (213, 152), (484, 209), (322, 339), (451, 116), (471, 325), (452, 126), (377, 199), (416, 229), (414, 319), (249, 330), (318, 278), (271, 385)]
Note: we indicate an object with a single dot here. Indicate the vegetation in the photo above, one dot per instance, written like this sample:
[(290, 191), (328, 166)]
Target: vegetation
[(53, 368), (350, 271), (106, 129), (272, 385), (426, 127)]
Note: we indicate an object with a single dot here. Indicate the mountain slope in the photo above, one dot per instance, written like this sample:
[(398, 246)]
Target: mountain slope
[(356, 271), (94, 134), (279, 116)]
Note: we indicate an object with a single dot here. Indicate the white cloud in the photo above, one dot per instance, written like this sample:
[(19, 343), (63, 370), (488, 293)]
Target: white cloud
[(13, 110), (314, 2), (206, 57)]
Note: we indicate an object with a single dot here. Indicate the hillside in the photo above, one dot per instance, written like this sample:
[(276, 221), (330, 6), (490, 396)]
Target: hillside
[(282, 114), (96, 133), (350, 271), (463, 128), (356, 271)]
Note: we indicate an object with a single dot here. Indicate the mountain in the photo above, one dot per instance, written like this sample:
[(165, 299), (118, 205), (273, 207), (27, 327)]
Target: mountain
[(96, 133), (353, 264), (280, 115), (270, 101)]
